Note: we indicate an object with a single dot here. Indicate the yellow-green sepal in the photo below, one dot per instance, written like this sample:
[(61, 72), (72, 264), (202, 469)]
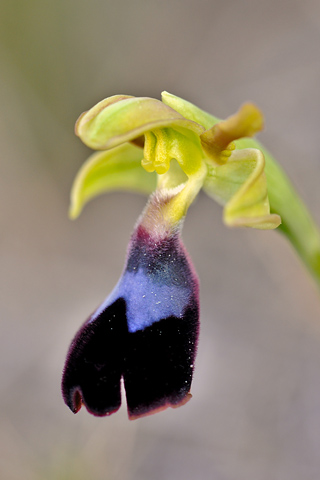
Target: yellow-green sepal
[(240, 186), (116, 169), (188, 110), (121, 119)]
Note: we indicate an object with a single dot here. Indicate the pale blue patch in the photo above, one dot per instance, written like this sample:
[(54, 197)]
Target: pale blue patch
[(146, 301)]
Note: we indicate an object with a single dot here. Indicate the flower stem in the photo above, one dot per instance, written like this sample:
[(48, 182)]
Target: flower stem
[(297, 223)]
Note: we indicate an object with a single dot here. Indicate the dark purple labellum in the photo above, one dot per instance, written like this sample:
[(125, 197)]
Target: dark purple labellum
[(145, 332)]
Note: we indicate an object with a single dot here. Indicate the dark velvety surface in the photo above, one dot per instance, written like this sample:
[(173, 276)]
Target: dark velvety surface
[(94, 363), (159, 363), (166, 260), (156, 363), (255, 411)]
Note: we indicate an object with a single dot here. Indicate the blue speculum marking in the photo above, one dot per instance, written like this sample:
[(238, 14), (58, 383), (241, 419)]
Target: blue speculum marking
[(157, 283), (145, 332), (148, 301)]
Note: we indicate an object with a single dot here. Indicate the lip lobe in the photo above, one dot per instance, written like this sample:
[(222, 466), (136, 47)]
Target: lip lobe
[(145, 332)]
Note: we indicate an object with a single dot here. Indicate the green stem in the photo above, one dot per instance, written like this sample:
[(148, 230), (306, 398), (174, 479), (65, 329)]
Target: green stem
[(297, 223)]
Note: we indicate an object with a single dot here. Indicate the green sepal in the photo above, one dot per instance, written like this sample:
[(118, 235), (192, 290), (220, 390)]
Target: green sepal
[(188, 110), (121, 119), (240, 185), (115, 169)]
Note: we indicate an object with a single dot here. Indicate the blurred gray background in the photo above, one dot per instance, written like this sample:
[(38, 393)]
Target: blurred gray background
[(255, 412)]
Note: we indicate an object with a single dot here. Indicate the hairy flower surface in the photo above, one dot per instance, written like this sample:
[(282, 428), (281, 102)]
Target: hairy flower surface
[(146, 331)]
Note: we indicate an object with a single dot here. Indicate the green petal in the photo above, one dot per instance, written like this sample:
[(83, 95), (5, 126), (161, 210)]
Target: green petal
[(120, 119), (241, 186), (218, 141), (116, 169)]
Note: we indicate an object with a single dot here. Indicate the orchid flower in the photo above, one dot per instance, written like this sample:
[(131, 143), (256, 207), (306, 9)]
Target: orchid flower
[(146, 331)]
